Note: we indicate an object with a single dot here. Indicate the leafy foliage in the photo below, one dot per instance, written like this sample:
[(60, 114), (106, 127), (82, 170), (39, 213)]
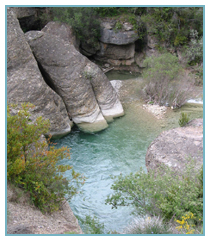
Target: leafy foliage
[(92, 225), (34, 166), (171, 25), (194, 52), (165, 192), (83, 20)]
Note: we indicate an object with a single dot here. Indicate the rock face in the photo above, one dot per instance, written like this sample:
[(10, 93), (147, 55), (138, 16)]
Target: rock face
[(25, 218), (116, 54), (106, 96), (116, 44), (25, 82), (62, 30), (174, 147), (124, 35), (87, 93)]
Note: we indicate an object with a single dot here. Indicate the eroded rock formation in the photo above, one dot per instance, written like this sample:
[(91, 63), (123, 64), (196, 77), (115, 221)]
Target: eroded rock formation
[(62, 83), (25, 82)]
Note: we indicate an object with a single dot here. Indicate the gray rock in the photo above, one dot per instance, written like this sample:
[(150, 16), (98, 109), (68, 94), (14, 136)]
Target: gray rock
[(62, 30), (116, 52), (20, 229), (81, 84), (23, 12), (108, 24), (89, 49), (175, 147), (25, 82), (151, 41), (63, 68), (105, 94), (110, 36)]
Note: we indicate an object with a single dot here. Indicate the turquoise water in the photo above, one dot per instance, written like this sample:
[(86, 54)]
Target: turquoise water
[(121, 148)]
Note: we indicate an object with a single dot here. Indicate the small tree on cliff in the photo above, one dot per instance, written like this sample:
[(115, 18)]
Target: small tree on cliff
[(34, 166)]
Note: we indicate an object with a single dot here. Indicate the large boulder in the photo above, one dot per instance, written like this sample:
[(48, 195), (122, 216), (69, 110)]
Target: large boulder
[(26, 84), (106, 96), (116, 45), (62, 30), (111, 35), (176, 147), (116, 54), (85, 90)]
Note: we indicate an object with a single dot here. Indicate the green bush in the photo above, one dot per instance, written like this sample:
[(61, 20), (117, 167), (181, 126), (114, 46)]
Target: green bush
[(171, 25), (83, 20), (34, 166), (184, 119), (165, 81), (194, 51), (92, 225), (163, 192)]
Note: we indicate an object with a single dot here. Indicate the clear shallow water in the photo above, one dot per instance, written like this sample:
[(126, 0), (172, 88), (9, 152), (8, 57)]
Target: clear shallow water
[(119, 149)]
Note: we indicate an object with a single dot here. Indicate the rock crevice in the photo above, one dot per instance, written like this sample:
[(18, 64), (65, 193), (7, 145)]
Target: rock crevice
[(45, 68)]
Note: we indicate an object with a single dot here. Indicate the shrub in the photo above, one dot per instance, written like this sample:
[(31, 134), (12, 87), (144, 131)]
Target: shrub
[(184, 119), (92, 225), (163, 192), (149, 225), (165, 81), (34, 166), (194, 52), (171, 25), (186, 224), (83, 20)]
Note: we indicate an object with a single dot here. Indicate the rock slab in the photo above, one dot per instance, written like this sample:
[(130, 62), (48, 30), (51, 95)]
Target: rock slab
[(177, 146)]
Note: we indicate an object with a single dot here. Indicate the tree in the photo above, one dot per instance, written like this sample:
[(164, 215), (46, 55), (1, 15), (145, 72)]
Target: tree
[(34, 166)]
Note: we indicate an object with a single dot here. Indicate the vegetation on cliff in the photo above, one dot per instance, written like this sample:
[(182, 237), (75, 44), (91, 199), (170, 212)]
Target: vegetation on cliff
[(175, 32), (33, 165), (165, 81), (170, 25)]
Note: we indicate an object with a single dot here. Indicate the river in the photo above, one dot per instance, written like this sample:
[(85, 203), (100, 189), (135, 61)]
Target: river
[(121, 148)]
